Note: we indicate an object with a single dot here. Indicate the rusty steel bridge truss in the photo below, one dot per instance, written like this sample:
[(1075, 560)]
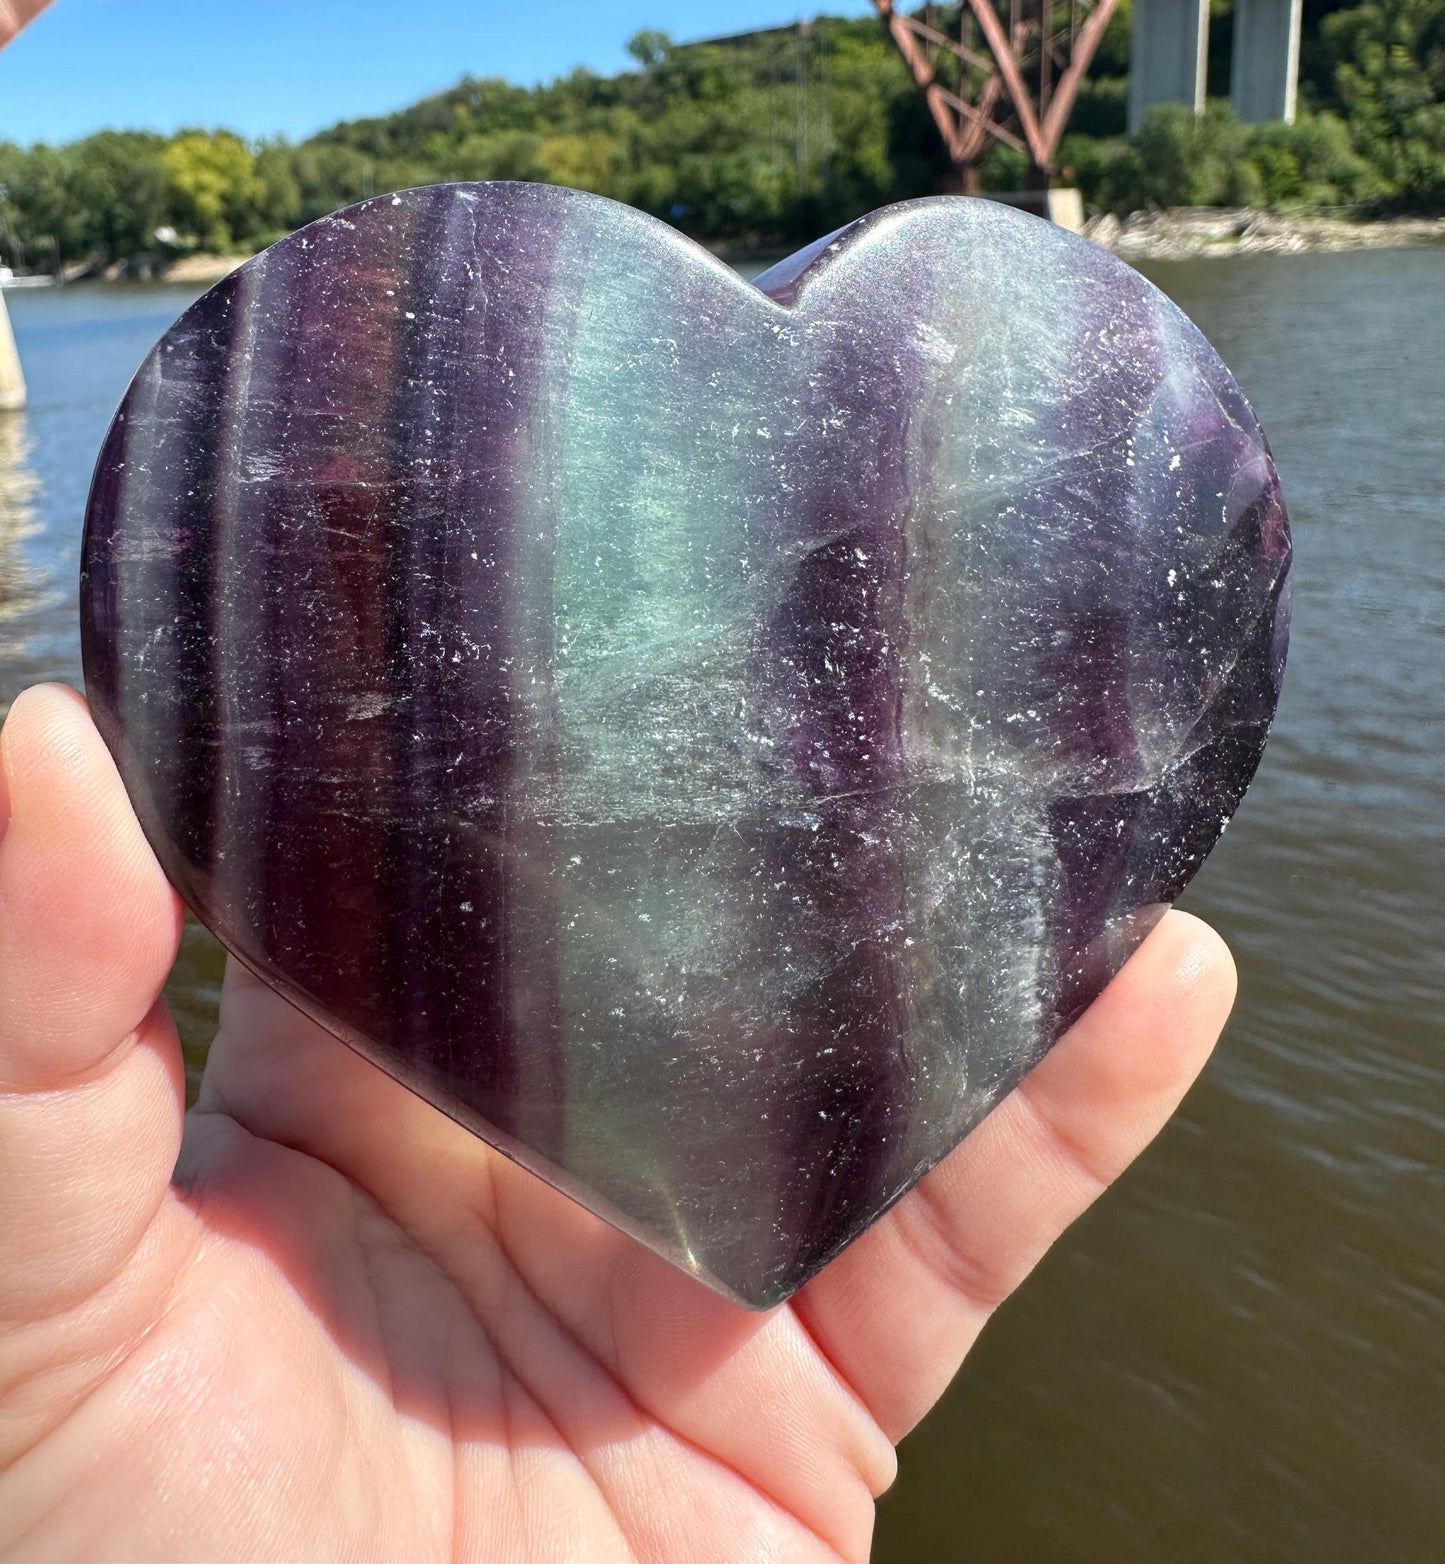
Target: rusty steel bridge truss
[(1010, 71)]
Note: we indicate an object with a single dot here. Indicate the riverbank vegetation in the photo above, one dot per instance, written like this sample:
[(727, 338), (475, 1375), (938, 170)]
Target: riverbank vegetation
[(766, 139)]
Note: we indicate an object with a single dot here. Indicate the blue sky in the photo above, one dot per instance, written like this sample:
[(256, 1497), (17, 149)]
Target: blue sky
[(266, 67)]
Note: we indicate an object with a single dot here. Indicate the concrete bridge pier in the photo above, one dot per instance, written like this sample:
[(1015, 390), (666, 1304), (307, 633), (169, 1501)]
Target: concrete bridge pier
[(1168, 54), (12, 382), (1265, 71)]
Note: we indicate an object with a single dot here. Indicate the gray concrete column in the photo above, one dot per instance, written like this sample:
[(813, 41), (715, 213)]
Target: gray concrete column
[(1265, 71), (12, 382), (1168, 49)]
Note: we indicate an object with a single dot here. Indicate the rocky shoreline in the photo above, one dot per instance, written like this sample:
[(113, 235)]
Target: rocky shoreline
[(1188, 233)]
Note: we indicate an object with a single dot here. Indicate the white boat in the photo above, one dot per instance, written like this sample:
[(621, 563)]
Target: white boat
[(8, 279)]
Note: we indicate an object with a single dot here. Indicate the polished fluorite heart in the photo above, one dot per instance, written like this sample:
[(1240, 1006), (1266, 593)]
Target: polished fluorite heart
[(707, 738)]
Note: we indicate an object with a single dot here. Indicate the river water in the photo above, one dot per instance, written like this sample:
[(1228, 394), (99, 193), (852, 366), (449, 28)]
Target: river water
[(1240, 1354)]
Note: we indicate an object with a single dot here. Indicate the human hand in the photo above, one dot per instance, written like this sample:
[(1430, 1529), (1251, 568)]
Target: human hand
[(347, 1328), (14, 14)]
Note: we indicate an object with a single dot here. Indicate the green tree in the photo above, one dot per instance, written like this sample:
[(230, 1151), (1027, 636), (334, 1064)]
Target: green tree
[(116, 183), (649, 47), (279, 208), (217, 196), (330, 175), (42, 224), (1386, 68)]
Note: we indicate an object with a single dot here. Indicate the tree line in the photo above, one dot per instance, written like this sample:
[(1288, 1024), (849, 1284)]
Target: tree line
[(770, 138)]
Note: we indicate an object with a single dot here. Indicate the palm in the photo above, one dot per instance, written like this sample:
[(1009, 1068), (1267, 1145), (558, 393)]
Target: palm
[(345, 1327), (501, 1374)]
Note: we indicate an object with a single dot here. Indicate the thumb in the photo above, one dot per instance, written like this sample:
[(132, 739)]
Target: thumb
[(91, 1083)]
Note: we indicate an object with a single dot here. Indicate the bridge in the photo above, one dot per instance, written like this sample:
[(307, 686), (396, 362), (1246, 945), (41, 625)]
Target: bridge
[(1010, 70), (1167, 57)]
